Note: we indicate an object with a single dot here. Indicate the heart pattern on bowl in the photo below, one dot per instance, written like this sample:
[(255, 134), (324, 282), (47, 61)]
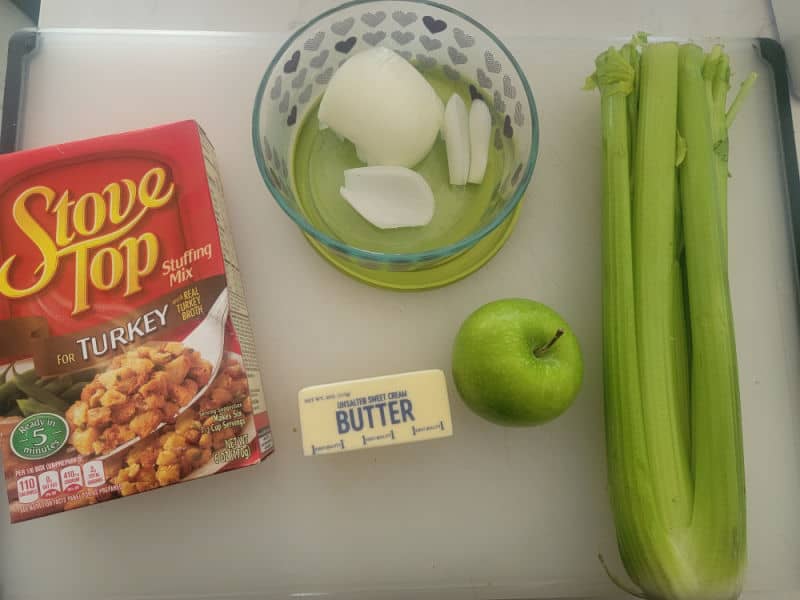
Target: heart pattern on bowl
[(434, 25), (300, 79), (425, 62), (404, 19), (345, 45), (292, 118), (343, 27), (320, 59), (484, 80), (405, 54), (291, 64), (509, 90), (498, 139), (456, 57), (491, 62), (275, 92), (515, 176), (430, 44), (499, 104), (402, 37), (305, 96), (373, 38), (267, 149), (373, 19), (508, 130), (312, 43), (474, 94), (519, 117), (324, 77), (463, 39), (278, 164), (284, 105), (274, 179), (451, 73)]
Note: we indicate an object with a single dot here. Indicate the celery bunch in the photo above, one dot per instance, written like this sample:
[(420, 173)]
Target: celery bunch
[(673, 427)]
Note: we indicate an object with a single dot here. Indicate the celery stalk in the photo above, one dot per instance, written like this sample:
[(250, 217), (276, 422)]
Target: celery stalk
[(716, 75), (642, 538), (717, 536), (744, 91), (654, 251), (624, 433), (631, 54)]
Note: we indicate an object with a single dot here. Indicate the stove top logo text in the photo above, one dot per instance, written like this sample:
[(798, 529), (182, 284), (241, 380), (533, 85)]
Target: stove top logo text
[(104, 260)]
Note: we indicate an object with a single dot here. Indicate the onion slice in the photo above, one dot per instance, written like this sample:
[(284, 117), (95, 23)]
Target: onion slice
[(389, 197), (480, 130), (456, 139)]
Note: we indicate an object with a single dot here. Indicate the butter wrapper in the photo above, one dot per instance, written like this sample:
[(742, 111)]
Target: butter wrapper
[(379, 411)]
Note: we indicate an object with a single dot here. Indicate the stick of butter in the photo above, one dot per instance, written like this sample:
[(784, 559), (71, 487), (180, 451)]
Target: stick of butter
[(394, 409)]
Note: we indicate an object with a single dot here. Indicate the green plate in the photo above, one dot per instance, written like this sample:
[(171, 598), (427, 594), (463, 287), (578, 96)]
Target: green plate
[(440, 275)]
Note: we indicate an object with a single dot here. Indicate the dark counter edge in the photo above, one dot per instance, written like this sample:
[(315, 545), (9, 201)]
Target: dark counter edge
[(31, 8), (21, 44), (772, 52)]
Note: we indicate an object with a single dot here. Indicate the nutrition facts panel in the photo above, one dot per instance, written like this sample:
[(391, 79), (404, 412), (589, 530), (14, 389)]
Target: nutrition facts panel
[(238, 307)]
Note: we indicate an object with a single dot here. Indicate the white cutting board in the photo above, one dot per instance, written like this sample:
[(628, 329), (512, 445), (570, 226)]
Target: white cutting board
[(489, 513)]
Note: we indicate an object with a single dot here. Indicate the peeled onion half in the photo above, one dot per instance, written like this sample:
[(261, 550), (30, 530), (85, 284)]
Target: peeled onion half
[(382, 104)]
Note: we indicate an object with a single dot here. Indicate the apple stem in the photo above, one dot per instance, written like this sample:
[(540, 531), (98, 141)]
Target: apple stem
[(542, 350)]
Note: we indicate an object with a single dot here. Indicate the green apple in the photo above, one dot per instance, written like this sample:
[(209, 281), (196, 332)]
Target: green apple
[(517, 362)]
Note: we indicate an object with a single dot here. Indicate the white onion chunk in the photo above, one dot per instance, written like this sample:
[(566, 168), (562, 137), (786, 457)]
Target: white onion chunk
[(456, 139), (384, 106), (389, 197), (480, 131)]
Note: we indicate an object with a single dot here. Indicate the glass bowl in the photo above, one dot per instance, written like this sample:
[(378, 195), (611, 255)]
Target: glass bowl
[(457, 54)]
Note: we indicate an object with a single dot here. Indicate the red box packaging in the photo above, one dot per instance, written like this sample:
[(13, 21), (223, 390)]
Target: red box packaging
[(126, 356)]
